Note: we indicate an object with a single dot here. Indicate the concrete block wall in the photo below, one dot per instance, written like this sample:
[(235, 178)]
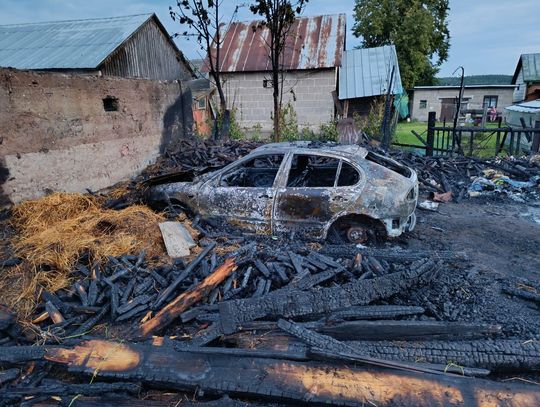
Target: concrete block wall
[(56, 135), (475, 98), (310, 92)]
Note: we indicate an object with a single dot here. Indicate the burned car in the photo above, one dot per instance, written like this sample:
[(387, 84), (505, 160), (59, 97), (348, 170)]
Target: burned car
[(311, 189)]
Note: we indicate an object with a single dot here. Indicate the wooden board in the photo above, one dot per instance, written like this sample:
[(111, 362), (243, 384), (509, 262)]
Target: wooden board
[(177, 239)]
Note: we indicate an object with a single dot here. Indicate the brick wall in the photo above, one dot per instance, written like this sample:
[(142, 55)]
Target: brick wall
[(312, 89), (56, 133)]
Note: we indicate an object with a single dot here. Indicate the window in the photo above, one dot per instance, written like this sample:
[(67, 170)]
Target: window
[(312, 171), (348, 175), (259, 172), (201, 104), (490, 101), (110, 104), (423, 104)]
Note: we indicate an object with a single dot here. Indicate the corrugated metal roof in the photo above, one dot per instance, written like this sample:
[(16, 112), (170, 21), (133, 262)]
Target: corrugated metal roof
[(367, 71), (526, 107), (75, 44), (313, 42), (531, 67)]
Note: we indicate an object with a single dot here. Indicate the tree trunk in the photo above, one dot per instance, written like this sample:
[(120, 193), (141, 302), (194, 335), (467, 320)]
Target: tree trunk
[(277, 107)]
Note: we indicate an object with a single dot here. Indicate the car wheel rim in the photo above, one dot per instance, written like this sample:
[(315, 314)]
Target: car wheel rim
[(357, 234)]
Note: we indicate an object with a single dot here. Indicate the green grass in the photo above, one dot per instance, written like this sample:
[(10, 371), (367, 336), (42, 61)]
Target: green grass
[(484, 145)]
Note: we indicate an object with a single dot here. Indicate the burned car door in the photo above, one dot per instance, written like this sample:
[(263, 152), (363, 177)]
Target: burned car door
[(243, 194), (309, 199)]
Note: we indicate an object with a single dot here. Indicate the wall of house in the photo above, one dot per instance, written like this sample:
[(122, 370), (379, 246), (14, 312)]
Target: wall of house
[(56, 135), (475, 97), (521, 88), (147, 54), (309, 91)]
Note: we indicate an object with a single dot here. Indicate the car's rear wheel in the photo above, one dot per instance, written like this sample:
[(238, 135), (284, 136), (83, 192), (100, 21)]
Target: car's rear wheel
[(356, 230)]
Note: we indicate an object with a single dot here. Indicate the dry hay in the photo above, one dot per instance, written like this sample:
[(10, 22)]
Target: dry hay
[(56, 230)]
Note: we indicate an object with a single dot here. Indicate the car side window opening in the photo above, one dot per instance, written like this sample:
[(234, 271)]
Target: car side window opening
[(318, 171), (312, 171), (348, 175), (259, 172)]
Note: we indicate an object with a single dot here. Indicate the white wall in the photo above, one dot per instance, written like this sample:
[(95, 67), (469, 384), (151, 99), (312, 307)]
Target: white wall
[(475, 95)]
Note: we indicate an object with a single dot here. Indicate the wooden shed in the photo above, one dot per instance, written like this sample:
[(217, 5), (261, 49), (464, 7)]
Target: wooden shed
[(136, 46)]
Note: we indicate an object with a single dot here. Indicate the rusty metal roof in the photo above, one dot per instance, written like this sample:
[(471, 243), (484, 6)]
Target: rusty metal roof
[(312, 43)]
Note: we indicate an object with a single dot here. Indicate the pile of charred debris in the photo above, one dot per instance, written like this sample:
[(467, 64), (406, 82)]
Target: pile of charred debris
[(253, 320)]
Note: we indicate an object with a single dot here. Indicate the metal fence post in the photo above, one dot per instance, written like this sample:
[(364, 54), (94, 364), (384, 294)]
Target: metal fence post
[(430, 134)]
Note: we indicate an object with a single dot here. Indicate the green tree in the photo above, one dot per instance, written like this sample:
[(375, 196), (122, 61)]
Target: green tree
[(418, 29)]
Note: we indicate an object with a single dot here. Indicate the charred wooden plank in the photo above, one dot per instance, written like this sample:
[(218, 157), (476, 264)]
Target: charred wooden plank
[(496, 355), (407, 330), (170, 289), (89, 324), (526, 295), (55, 389), (186, 300), (375, 312), (333, 348), (291, 303), (53, 312), (279, 379)]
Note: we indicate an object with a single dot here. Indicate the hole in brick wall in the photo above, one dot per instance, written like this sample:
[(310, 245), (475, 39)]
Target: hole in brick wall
[(110, 104)]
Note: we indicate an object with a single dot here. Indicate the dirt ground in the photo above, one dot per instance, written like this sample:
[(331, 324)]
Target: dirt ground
[(502, 241), (499, 236)]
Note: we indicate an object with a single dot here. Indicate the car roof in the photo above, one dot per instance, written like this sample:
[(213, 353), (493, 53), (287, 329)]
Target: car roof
[(311, 146)]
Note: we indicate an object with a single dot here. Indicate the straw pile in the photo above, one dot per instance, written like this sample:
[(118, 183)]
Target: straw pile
[(55, 231)]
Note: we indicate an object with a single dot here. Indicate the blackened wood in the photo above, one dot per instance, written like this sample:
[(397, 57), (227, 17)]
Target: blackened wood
[(291, 303), (114, 300), (54, 313), (140, 300), (89, 324), (128, 290), (134, 311), (407, 330), (375, 312), (81, 292), (262, 267), (8, 375), (159, 279), (170, 289), (124, 401), (261, 285), (333, 348), (62, 306), (246, 277), (296, 262), (92, 293), (180, 304), (7, 318), (282, 380), (527, 295), (498, 355), (144, 286), (117, 275), (19, 393)]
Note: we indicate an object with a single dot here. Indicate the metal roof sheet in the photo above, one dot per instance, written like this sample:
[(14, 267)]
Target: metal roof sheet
[(367, 71), (74, 44), (531, 67), (526, 107), (312, 42)]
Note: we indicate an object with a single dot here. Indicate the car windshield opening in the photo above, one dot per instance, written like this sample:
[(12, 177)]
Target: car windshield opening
[(259, 172)]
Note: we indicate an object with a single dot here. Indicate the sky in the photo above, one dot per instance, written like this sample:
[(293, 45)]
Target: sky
[(487, 36)]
